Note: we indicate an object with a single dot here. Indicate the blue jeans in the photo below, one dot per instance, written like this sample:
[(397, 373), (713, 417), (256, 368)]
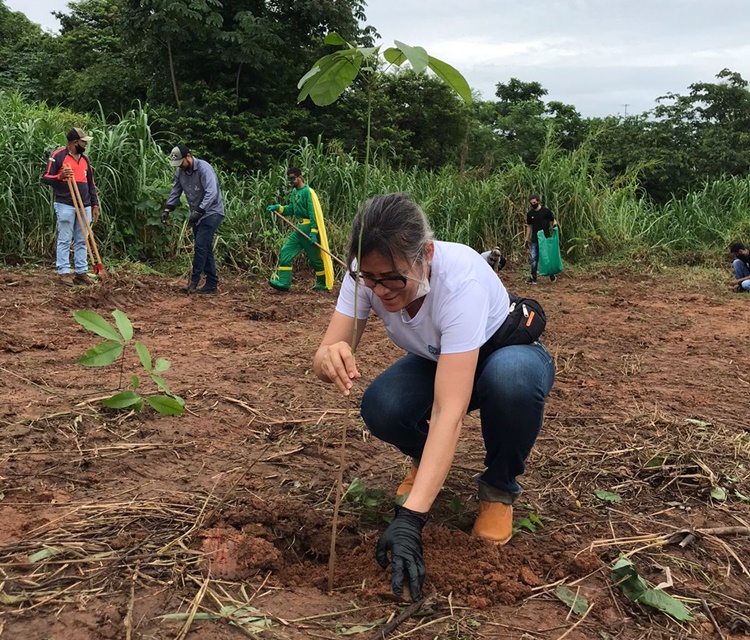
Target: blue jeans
[(534, 249), (203, 258), (741, 271), (68, 230), (510, 388)]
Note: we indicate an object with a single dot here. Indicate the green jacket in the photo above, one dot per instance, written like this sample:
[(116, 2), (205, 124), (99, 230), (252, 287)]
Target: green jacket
[(301, 206)]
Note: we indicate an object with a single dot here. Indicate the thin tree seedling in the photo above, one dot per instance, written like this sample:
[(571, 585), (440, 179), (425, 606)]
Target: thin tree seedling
[(106, 353)]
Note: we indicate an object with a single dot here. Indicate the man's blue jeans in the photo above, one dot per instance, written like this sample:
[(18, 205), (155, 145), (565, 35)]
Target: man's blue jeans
[(741, 271), (534, 249), (68, 230), (510, 388), (203, 258)]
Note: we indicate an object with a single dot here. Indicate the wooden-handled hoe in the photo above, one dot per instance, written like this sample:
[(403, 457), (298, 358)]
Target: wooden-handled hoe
[(86, 230)]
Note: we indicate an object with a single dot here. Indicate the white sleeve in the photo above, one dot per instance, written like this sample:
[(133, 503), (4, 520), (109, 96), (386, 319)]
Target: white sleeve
[(463, 319), (345, 303)]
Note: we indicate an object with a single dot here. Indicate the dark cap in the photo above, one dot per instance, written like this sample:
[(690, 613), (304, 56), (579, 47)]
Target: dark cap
[(78, 134), (177, 155)]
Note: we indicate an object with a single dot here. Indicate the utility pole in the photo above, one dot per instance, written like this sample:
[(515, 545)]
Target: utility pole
[(626, 105)]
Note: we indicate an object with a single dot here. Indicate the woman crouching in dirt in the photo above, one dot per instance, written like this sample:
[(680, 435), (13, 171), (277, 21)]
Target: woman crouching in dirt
[(440, 302)]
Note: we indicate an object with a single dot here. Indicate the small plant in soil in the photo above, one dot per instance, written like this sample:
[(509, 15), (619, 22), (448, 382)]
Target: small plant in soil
[(106, 353)]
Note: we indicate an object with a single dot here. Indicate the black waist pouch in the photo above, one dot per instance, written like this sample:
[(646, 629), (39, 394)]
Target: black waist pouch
[(525, 323)]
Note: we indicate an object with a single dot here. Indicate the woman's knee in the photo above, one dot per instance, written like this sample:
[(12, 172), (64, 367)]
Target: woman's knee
[(517, 373)]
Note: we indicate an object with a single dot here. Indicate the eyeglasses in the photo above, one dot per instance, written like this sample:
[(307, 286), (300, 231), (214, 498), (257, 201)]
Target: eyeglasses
[(291, 178), (394, 283)]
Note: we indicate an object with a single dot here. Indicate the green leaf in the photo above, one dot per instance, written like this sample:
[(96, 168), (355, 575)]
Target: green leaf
[(657, 599), (451, 77), (394, 56), (134, 382), (123, 324), (143, 355), (166, 405), (96, 324), (121, 400), (337, 72), (161, 383), (101, 355), (625, 576), (608, 496), (719, 494), (741, 496), (655, 462), (417, 57), (357, 628), (47, 552), (161, 365), (355, 490), (316, 68), (335, 38), (577, 603)]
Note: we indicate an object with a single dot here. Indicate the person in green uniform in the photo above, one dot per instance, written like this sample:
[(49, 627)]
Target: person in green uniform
[(301, 210)]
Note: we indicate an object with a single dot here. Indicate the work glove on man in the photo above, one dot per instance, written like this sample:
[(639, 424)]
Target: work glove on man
[(165, 215), (273, 207), (195, 216), (403, 539)]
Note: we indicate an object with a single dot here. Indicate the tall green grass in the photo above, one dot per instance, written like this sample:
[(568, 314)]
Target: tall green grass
[(598, 216)]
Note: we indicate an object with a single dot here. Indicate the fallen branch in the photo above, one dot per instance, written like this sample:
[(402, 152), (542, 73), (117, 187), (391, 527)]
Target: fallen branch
[(402, 617)]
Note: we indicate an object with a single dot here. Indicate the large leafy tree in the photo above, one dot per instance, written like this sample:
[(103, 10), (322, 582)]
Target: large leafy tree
[(24, 53)]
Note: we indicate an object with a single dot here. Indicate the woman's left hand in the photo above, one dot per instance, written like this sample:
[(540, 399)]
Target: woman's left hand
[(403, 538)]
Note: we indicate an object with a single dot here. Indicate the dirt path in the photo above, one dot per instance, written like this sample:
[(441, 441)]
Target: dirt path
[(109, 520)]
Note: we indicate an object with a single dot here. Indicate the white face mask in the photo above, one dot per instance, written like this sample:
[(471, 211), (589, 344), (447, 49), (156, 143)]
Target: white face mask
[(424, 284)]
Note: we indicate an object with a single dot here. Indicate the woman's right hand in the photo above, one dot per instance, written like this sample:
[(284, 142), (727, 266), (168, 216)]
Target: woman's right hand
[(337, 363)]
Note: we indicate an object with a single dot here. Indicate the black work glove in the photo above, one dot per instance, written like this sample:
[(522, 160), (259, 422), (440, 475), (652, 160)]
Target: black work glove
[(195, 216), (164, 216), (403, 538)]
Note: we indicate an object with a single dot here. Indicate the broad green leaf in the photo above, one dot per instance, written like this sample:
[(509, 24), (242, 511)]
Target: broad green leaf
[(47, 552), (123, 324), (577, 603), (719, 494), (143, 355), (335, 38), (625, 576), (138, 406), (608, 496), (741, 496), (356, 489), (368, 52), (161, 383), (536, 520), (451, 77), (315, 69), (121, 400), (102, 354), (134, 382), (417, 57), (394, 56), (166, 405), (657, 599), (334, 77), (96, 324), (311, 77), (161, 365)]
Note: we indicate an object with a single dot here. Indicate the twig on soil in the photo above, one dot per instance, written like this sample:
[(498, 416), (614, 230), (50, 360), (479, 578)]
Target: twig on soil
[(583, 617), (711, 617), (44, 388), (402, 617), (131, 604), (339, 494), (193, 609)]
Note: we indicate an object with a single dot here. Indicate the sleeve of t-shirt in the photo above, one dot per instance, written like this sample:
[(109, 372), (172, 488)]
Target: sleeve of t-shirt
[(463, 319), (528, 217), (345, 303)]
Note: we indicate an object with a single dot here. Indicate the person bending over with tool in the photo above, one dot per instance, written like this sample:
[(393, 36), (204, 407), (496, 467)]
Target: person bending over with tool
[(440, 303), (495, 258), (71, 163), (197, 179), (304, 210), (740, 266)]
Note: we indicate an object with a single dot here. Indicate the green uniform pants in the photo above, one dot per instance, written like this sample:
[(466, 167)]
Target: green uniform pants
[(292, 247)]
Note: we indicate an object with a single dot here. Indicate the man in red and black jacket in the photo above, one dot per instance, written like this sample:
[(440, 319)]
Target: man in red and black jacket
[(71, 163)]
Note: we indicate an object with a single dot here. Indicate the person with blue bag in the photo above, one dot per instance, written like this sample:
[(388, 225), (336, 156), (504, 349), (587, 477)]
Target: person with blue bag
[(538, 218)]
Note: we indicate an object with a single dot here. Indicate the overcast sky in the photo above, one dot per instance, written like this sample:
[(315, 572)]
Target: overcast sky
[(598, 55)]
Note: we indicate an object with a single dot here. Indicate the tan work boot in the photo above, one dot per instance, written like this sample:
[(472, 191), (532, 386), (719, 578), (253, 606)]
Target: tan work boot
[(408, 482), (494, 522), (66, 279), (82, 279)]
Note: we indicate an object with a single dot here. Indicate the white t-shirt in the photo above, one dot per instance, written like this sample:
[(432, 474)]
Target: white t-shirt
[(466, 304)]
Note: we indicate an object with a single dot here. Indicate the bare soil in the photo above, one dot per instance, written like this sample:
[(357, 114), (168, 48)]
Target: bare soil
[(221, 519)]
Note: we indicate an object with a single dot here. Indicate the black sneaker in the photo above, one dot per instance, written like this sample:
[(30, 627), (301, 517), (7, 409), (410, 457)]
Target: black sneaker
[(191, 288), (531, 281), (553, 278), (206, 290)]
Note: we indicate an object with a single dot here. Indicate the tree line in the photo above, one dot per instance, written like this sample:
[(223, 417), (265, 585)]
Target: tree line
[(222, 75)]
